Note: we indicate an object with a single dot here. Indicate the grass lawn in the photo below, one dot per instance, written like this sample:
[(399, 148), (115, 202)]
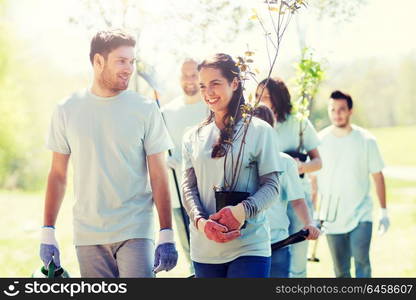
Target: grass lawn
[(393, 255), (397, 144)]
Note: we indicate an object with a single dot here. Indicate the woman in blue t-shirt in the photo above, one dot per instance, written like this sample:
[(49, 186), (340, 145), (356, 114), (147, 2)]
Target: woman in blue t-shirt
[(220, 245), (294, 136)]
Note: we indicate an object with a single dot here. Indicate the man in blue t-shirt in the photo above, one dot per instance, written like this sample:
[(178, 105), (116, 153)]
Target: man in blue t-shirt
[(349, 154), (116, 140)]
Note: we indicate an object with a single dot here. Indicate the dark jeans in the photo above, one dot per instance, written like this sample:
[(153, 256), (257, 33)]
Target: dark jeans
[(354, 244), (241, 267), (280, 263)]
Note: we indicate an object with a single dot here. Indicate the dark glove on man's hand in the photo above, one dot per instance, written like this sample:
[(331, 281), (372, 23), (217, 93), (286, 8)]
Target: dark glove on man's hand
[(166, 255)]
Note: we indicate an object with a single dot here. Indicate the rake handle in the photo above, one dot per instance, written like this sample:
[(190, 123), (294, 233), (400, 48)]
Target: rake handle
[(292, 239)]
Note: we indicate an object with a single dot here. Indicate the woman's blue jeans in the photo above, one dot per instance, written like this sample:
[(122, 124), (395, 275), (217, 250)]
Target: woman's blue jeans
[(241, 267)]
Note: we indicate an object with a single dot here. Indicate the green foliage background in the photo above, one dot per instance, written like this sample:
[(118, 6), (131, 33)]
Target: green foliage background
[(383, 92), (384, 96)]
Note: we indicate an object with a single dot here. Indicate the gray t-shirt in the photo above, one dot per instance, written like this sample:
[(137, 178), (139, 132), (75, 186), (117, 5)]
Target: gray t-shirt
[(108, 140)]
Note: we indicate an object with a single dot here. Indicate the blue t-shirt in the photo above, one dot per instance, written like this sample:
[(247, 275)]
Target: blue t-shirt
[(260, 157), (290, 189), (288, 139), (343, 182), (108, 140), (179, 118)]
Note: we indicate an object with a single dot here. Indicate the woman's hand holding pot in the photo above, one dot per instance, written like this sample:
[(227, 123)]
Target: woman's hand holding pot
[(215, 231), (232, 217)]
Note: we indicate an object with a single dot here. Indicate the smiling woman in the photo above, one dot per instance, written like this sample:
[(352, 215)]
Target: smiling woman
[(230, 241), (217, 91), (222, 89)]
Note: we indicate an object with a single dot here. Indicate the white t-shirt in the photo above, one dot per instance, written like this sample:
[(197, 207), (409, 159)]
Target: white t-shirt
[(260, 158), (343, 182), (288, 138), (109, 139), (179, 118), (290, 189)]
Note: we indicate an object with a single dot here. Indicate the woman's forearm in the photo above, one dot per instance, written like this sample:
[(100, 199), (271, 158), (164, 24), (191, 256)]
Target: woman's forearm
[(313, 165), (191, 200), (264, 197), (299, 206)]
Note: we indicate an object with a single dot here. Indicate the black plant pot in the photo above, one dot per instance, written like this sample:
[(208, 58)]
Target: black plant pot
[(301, 156), (223, 199)]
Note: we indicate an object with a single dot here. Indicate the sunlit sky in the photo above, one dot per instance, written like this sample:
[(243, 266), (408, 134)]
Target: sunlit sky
[(381, 28)]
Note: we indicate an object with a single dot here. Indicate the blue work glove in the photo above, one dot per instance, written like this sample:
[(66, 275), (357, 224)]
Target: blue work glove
[(166, 255), (384, 223), (49, 249)]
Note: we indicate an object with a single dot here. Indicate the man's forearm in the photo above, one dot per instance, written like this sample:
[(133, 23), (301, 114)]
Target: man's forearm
[(380, 188), (55, 193), (161, 197)]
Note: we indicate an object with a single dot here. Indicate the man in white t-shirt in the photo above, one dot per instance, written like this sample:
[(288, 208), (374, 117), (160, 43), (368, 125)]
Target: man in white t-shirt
[(184, 112), (180, 114), (349, 154), (116, 140)]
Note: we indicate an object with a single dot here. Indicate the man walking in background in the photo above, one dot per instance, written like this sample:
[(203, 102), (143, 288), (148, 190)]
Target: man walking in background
[(116, 140), (181, 114), (349, 154)]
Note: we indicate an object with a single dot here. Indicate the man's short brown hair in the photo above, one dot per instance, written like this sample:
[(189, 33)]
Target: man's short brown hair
[(338, 95), (106, 41)]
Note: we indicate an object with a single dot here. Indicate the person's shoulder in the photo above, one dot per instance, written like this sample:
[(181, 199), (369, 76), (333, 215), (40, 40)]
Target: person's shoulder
[(324, 132), (72, 100), (192, 133), (260, 129), (285, 156), (293, 123), (363, 133), (259, 124), (291, 119)]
